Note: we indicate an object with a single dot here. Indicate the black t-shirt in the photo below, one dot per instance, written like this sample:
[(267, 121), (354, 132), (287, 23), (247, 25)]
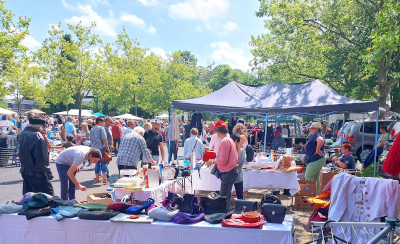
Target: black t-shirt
[(152, 141), (187, 130)]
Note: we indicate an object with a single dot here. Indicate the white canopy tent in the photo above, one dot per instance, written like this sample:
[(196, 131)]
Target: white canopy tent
[(75, 112), (128, 116), (163, 116), (6, 111)]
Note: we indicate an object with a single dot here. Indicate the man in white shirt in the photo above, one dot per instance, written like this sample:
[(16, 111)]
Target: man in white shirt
[(29, 115), (193, 144)]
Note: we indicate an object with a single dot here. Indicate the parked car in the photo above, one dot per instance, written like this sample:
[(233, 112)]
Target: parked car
[(355, 133), (342, 134)]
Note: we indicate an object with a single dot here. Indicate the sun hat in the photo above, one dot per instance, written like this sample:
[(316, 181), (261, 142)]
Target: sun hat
[(316, 125)]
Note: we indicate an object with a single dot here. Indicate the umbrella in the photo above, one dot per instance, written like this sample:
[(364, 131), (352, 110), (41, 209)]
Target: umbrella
[(128, 116), (99, 114), (163, 116), (36, 111), (6, 111)]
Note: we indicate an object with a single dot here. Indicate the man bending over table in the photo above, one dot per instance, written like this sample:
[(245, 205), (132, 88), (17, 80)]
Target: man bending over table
[(68, 163)]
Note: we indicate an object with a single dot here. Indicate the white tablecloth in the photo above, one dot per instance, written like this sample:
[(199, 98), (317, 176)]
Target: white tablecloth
[(157, 193), (252, 179), (16, 229)]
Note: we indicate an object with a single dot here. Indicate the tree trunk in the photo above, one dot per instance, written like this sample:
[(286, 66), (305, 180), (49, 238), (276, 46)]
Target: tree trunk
[(66, 106), (135, 105), (382, 78), (80, 111)]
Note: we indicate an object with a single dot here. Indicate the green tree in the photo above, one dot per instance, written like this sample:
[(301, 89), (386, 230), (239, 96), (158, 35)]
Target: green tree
[(24, 81), (72, 66), (350, 45), (12, 31)]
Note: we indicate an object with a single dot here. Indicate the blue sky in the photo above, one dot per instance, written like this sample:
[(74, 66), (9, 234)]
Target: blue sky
[(214, 30)]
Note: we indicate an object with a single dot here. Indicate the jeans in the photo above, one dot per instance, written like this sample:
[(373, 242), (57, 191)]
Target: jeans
[(227, 181), (116, 141), (172, 151), (67, 186), (100, 165), (313, 170), (239, 190), (370, 157)]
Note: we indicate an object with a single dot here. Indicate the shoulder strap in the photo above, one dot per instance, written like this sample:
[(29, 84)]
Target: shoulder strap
[(194, 146)]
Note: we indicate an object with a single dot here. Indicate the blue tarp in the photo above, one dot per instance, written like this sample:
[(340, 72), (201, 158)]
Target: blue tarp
[(309, 97)]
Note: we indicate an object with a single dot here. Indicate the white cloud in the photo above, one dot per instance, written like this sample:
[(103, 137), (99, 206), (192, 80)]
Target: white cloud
[(223, 53), (152, 29), (105, 26), (30, 42), (230, 26), (132, 19), (97, 2), (199, 9), (198, 29), (159, 52), (149, 2)]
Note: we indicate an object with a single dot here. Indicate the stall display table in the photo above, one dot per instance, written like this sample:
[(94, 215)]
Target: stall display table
[(157, 193), (46, 230), (252, 179)]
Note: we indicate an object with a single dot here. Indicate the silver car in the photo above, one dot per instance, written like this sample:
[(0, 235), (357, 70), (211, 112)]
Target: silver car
[(354, 133)]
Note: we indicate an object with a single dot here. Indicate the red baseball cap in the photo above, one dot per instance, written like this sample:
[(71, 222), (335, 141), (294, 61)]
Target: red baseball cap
[(220, 123)]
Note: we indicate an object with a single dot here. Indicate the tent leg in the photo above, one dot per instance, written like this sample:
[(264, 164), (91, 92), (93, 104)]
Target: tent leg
[(265, 132), (362, 138), (344, 119), (376, 140), (169, 135)]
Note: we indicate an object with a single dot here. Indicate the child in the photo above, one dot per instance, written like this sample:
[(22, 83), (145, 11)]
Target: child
[(69, 142)]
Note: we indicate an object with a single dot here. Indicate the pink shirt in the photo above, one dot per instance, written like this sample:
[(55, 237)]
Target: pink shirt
[(227, 155), (215, 143)]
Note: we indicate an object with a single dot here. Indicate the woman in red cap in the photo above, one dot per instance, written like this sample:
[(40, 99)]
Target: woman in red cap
[(215, 141)]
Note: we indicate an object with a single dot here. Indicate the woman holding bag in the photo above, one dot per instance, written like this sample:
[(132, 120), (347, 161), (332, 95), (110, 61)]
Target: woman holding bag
[(226, 162), (98, 140), (240, 140)]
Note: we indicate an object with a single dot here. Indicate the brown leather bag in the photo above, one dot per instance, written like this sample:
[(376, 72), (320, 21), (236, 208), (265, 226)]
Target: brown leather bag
[(107, 157)]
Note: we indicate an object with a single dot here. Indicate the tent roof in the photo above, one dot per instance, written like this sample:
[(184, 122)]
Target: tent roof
[(310, 97), (75, 112), (6, 111), (128, 116)]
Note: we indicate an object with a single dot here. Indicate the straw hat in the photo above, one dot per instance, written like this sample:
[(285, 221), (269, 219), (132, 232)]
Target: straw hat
[(316, 125)]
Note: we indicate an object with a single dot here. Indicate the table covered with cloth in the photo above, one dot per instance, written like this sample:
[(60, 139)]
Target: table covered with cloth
[(252, 179), (46, 230)]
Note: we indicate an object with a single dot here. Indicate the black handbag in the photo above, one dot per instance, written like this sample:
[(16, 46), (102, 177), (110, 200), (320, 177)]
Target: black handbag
[(245, 206), (189, 203), (97, 215), (214, 203), (268, 198), (273, 213)]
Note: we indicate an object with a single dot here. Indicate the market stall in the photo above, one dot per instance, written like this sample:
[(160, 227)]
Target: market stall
[(46, 230)]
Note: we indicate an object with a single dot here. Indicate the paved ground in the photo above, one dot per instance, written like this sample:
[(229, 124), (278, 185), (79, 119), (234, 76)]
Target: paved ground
[(11, 189)]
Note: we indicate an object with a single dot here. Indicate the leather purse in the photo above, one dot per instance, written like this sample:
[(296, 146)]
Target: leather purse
[(245, 206), (268, 198), (235, 220), (107, 157), (214, 203), (273, 213), (189, 203)]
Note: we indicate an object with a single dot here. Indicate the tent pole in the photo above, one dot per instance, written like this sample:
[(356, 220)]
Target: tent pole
[(344, 119), (169, 135), (265, 132), (362, 138), (376, 141)]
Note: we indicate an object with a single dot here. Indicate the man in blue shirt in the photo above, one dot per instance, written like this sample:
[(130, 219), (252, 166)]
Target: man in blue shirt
[(346, 160), (278, 140), (70, 127)]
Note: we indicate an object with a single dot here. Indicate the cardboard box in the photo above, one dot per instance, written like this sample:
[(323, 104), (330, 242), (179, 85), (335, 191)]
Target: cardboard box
[(321, 188), (325, 177), (97, 197), (301, 202), (309, 190)]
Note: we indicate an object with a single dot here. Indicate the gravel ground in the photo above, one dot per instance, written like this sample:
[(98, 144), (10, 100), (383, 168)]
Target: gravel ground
[(11, 189)]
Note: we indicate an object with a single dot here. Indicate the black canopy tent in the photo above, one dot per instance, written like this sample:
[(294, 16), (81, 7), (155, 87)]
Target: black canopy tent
[(309, 98)]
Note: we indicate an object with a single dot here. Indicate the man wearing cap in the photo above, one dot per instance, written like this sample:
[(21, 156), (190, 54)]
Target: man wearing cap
[(315, 153), (278, 140), (215, 140), (35, 169)]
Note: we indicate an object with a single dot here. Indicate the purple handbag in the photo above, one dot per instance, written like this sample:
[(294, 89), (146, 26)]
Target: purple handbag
[(182, 218)]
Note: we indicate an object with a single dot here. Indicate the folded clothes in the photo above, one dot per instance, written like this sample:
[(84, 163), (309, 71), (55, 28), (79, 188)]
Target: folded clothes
[(92, 206), (162, 213), (183, 218), (36, 201), (33, 213), (10, 208), (138, 209), (57, 201), (98, 215), (60, 213), (119, 206)]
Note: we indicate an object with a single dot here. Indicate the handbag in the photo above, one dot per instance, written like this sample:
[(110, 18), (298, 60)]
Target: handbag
[(273, 213), (245, 206), (306, 160), (235, 220), (268, 198), (98, 215), (213, 203), (107, 157), (189, 203)]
